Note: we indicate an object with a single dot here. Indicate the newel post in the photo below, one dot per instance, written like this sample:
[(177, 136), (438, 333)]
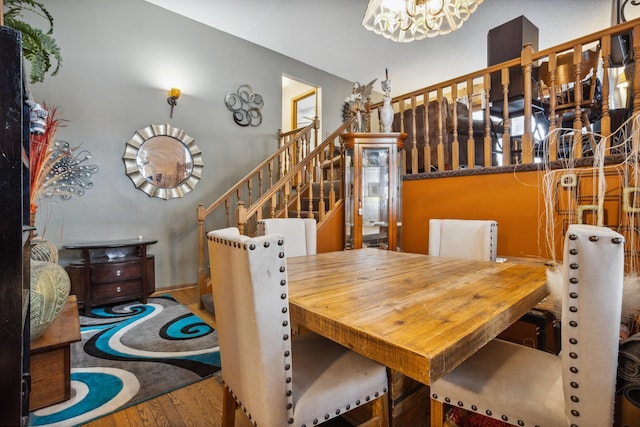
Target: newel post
[(241, 217), (202, 277)]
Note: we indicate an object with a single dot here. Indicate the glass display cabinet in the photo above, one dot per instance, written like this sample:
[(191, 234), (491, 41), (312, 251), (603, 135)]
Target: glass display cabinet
[(372, 190)]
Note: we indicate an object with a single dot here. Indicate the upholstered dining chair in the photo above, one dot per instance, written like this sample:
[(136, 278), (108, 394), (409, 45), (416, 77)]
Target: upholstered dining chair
[(276, 379), (463, 238), (528, 387), (299, 234)]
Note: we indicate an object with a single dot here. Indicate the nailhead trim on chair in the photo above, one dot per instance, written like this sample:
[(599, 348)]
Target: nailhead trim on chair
[(494, 232), (573, 308), (287, 353)]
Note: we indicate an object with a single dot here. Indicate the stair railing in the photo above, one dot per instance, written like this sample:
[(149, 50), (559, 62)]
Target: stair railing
[(296, 165)]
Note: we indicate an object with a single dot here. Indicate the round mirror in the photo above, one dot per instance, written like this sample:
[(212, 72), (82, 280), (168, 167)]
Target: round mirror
[(163, 161)]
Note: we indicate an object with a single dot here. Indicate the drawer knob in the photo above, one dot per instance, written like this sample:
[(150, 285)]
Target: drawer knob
[(118, 273), (118, 289)]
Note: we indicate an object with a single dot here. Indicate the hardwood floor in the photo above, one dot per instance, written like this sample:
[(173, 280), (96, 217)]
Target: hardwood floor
[(197, 405)]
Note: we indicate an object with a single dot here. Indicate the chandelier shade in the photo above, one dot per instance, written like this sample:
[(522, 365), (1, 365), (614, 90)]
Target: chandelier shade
[(409, 20)]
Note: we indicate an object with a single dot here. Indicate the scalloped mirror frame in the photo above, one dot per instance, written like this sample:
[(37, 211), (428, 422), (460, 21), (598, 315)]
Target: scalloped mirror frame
[(134, 172)]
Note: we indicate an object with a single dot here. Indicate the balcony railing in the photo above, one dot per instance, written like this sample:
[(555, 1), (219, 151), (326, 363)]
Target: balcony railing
[(466, 122)]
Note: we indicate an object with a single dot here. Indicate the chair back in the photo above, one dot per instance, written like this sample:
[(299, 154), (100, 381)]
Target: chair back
[(591, 309), (565, 79), (249, 282), (461, 238), (299, 234)]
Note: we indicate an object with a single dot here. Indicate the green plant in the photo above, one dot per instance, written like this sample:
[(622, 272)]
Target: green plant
[(38, 46)]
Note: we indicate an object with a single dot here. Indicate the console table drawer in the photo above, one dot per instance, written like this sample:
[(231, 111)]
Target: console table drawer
[(116, 272), (115, 291)]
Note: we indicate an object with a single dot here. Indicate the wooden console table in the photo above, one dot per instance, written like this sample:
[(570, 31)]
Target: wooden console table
[(99, 279), (51, 358)]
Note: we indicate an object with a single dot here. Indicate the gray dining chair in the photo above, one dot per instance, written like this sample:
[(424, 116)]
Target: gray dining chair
[(463, 238), (527, 387), (299, 234), (277, 379)]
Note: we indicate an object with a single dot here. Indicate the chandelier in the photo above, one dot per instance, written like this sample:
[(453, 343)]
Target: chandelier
[(408, 20)]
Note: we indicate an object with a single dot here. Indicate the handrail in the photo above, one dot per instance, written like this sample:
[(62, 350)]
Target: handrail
[(295, 156), (441, 119), (313, 158)]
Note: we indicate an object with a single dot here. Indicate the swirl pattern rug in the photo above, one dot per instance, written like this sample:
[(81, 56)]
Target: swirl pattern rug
[(132, 352)]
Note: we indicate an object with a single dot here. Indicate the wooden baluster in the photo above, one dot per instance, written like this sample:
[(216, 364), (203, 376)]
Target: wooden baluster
[(636, 74), (249, 192), (310, 195), (427, 143), (553, 136), (298, 201), (227, 212), (440, 131), (282, 169), (287, 196), (577, 98), (471, 142), (414, 145), (260, 182), (605, 121), (487, 122), (321, 182), (332, 192), (316, 130), (274, 204), (526, 61), (506, 121), (455, 145), (202, 275)]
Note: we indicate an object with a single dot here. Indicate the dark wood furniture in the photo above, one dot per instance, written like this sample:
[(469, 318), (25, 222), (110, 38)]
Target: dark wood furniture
[(14, 235), (51, 358), (98, 279)]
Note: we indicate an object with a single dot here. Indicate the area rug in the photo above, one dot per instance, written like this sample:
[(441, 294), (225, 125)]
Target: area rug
[(130, 353)]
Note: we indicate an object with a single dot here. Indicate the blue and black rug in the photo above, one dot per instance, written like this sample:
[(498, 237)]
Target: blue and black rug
[(130, 353)]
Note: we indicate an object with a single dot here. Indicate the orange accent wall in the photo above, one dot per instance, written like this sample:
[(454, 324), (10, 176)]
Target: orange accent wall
[(514, 200), (331, 232)]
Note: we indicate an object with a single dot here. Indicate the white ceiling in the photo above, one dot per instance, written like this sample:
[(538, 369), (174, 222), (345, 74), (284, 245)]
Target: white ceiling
[(328, 34)]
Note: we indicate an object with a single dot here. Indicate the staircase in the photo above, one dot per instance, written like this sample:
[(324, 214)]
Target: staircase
[(301, 179)]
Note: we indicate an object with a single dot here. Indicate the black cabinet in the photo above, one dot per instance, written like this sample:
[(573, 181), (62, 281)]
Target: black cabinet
[(14, 235)]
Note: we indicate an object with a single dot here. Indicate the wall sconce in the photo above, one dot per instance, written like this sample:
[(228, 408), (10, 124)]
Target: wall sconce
[(174, 94)]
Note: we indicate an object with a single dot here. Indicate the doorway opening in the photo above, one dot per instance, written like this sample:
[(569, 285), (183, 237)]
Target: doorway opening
[(301, 102)]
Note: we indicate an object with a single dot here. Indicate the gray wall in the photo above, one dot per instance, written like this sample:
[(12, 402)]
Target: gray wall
[(120, 59)]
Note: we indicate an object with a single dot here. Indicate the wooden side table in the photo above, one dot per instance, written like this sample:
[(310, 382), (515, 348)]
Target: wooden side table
[(99, 279), (51, 358)]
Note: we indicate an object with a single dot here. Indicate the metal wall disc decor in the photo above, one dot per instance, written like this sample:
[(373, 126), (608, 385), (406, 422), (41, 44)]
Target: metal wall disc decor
[(245, 105), (163, 161)]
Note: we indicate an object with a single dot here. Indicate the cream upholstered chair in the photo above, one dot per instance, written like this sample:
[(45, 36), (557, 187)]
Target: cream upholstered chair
[(299, 234), (463, 238), (276, 380), (528, 387)]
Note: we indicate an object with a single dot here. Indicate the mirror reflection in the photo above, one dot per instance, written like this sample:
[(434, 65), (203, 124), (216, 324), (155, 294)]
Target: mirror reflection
[(164, 161)]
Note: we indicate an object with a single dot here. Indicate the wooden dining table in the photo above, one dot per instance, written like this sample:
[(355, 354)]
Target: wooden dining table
[(419, 315)]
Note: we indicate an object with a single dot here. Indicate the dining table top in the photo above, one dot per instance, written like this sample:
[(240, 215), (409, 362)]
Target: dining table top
[(417, 314)]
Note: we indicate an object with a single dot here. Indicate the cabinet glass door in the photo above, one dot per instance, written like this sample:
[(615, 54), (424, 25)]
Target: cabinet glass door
[(375, 197)]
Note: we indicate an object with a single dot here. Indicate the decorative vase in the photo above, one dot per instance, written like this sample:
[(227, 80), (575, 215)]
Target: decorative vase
[(43, 250), (50, 286), (386, 114)]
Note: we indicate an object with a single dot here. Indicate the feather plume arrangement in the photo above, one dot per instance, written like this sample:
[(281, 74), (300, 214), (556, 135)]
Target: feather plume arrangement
[(56, 168)]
